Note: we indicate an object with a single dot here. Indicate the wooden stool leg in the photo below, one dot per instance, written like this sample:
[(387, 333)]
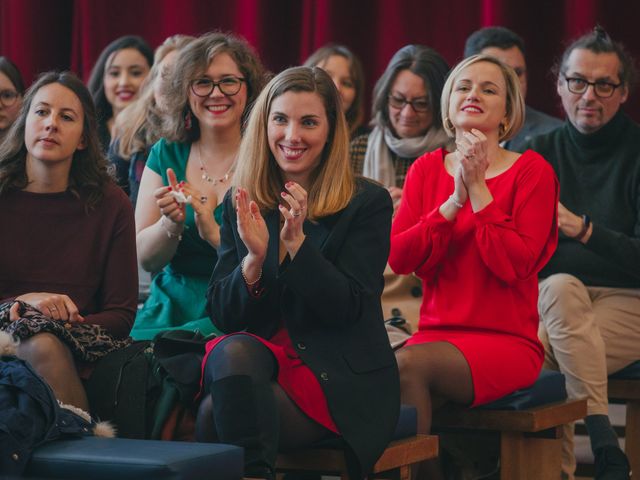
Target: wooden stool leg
[(405, 472), (632, 435), (529, 458)]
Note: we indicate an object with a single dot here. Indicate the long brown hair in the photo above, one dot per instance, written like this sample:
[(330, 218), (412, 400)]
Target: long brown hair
[(332, 183), (88, 174)]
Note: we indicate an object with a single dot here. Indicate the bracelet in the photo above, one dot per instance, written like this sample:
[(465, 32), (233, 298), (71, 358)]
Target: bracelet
[(249, 284), (170, 234), (586, 223), (455, 201)]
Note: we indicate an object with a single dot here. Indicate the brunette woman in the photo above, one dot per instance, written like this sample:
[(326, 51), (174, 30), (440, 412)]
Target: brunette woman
[(215, 80), (139, 125), (345, 69), (116, 79), (68, 282)]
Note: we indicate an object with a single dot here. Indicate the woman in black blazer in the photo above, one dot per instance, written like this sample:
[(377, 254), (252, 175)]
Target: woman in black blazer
[(297, 289)]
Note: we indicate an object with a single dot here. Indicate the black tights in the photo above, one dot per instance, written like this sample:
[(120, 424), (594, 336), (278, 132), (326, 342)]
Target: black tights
[(244, 355)]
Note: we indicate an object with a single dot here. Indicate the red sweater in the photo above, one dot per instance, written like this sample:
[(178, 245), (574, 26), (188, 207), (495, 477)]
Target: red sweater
[(48, 243), (479, 271)]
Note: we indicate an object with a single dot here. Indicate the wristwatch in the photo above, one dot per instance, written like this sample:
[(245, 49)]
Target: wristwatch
[(586, 223)]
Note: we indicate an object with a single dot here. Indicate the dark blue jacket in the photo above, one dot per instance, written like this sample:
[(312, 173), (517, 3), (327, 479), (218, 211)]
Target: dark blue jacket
[(29, 415)]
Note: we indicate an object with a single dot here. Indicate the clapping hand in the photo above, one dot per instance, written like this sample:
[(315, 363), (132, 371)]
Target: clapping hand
[(472, 153), (169, 206), (292, 234), (251, 226), (203, 207)]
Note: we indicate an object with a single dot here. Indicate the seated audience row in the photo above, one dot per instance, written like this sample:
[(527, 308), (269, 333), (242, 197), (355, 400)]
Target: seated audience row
[(299, 244)]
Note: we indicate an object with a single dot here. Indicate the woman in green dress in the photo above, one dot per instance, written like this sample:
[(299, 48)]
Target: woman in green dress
[(215, 80)]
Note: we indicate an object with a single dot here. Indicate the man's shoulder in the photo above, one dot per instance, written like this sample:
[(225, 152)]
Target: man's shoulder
[(536, 118)]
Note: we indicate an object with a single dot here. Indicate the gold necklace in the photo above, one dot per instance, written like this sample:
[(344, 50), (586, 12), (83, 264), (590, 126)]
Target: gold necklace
[(208, 178)]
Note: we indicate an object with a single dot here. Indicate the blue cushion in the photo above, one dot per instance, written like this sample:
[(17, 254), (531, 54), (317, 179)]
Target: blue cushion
[(549, 388), (124, 459), (407, 422), (630, 372), (407, 426)]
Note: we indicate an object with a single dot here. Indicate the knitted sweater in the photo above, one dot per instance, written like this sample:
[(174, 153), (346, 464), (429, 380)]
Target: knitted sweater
[(599, 176)]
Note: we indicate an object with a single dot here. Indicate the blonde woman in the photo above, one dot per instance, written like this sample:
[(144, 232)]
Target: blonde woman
[(297, 288), (476, 225)]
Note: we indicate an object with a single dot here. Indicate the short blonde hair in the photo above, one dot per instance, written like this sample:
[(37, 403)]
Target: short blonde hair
[(332, 183), (515, 101)]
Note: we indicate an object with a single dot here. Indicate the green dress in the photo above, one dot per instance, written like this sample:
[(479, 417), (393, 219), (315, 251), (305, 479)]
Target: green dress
[(177, 294)]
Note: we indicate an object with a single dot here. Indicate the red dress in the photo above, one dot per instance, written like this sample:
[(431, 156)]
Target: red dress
[(479, 272), (295, 378)]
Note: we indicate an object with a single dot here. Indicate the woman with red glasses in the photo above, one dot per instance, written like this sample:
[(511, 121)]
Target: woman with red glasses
[(215, 79)]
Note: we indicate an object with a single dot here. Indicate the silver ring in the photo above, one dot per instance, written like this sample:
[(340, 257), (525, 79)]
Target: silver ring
[(296, 214), (203, 198)]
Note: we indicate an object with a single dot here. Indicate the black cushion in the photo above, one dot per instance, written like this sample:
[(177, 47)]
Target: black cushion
[(550, 387)]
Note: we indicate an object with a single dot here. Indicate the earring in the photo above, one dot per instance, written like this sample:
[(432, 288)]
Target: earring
[(502, 129), (187, 120), (448, 124)]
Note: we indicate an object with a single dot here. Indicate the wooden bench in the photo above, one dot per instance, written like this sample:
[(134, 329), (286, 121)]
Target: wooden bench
[(624, 387), (400, 456), (530, 439)]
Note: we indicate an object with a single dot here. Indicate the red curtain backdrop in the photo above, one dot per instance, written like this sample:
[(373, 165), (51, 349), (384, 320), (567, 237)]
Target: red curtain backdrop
[(40, 35)]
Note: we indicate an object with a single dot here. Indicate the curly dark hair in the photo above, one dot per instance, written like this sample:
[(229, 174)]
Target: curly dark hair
[(192, 63), (88, 174)]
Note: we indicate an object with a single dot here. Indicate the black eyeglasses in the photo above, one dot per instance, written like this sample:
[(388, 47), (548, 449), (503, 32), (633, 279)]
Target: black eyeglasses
[(419, 106), (229, 86), (580, 85), (8, 97)]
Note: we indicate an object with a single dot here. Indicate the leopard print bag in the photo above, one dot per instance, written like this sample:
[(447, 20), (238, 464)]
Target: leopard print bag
[(87, 342)]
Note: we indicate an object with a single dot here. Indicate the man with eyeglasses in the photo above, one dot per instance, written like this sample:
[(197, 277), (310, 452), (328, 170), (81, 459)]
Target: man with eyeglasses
[(589, 299), (508, 47)]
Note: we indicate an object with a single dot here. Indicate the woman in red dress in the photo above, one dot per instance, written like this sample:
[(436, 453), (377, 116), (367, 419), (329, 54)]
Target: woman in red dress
[(297, 286), (476, 225)]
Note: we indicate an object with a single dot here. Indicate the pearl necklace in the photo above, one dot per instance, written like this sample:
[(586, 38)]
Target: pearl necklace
[(208, 178)]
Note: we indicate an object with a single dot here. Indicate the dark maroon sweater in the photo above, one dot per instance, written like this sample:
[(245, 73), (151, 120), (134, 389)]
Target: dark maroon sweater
[(49, 243)]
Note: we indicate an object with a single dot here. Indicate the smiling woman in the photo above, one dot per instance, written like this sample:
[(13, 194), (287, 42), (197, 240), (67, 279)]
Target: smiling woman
[(68, 284), (296, 288), (116, 78), (476, 225), (207, 94)]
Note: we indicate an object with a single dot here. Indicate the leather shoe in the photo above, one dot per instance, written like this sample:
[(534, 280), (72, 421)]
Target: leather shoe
[(611, 464)]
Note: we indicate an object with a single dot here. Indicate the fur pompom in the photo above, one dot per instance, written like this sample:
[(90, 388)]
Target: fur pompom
[(8, 344), (105, 429), (100, 429)]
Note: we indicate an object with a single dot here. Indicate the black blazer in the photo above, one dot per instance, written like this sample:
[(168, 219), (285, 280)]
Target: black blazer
[(329, 299)]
